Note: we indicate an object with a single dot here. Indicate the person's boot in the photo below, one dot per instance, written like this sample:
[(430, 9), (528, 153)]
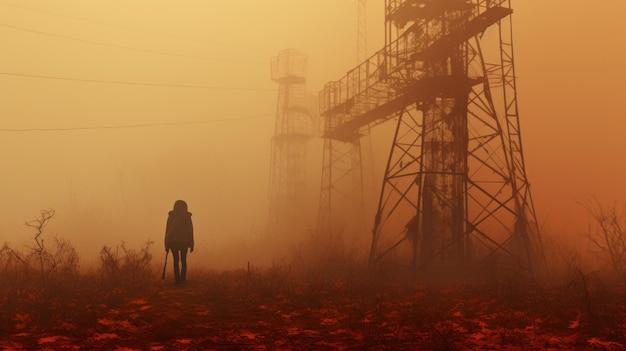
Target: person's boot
[(177, 276), (183, 274)]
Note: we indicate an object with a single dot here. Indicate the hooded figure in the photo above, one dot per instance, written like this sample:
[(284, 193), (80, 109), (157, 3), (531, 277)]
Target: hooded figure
[(179, 237)]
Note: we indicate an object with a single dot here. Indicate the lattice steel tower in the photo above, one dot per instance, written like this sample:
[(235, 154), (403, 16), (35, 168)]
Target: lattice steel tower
[(293, 129), (342, 197), (455, 191), (361, 37)]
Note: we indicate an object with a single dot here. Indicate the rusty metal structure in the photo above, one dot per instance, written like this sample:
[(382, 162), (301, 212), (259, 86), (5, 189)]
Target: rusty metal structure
[(341, 196), (295, 110), (361, 31), (455, 191), (342, 189)]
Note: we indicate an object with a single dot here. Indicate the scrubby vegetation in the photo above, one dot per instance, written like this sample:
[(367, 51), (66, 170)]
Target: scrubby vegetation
[(323, 297)]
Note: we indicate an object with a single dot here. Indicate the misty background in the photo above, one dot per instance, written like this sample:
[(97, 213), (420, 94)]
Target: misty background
[(111, 158)]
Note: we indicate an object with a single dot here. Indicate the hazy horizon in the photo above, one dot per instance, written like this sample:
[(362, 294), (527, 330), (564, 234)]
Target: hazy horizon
[(111, 158)]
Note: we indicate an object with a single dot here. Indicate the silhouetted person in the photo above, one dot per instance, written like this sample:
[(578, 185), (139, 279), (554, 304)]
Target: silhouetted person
[(179, 238), (412, 228)]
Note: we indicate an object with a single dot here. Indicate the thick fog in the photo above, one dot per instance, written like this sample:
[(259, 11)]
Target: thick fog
[(110, 156)]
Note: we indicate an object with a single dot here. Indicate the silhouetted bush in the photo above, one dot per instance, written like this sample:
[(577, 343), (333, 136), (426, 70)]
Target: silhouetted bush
[(39, 285), (608, 233), (124, 267), (14, 269)]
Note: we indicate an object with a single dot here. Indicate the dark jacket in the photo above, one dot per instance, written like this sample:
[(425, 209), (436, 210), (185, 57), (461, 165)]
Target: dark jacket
[(179, 229)]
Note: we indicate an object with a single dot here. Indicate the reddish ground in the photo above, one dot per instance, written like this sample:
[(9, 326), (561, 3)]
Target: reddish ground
[(274, 311)]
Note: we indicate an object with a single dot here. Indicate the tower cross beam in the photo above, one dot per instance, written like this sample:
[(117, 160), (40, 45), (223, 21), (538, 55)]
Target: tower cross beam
[(358, 96)]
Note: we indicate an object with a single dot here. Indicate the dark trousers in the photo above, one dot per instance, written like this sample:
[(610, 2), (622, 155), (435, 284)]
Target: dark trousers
[(180, 255)]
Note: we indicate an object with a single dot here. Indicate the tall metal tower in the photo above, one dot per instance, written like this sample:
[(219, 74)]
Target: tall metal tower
[(293, 129), (342, 197), (361, 31), (455, 190)]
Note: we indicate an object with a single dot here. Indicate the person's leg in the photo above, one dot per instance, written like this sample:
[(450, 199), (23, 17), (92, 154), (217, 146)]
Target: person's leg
[(176, 256), (183, 258)]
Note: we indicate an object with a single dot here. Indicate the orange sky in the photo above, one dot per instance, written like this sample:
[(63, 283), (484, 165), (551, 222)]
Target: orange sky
[(118, 184)]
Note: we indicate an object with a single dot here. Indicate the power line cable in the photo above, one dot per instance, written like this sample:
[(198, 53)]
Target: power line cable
[(72, 17), (128, 47), (122, 27), (134, 83), (130, 126)]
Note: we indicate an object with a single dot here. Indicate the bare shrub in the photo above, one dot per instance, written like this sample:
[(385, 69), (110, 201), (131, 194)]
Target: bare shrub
[(65, 259), (13, 267), (55, 267), (608, 233), (41, 281), (121, 266), (44, 257), (14, 271)]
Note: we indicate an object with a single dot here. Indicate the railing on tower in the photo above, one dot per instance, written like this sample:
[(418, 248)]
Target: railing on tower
[(380, 78)]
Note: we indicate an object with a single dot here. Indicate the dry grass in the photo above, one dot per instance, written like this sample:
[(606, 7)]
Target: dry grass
[(318, 299)]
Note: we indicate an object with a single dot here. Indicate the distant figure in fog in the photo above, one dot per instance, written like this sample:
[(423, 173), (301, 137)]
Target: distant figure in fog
[(179, 238), (412, 228)]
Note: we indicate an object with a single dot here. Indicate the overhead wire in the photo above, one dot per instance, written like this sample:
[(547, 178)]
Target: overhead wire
[(72, 17), (92, 42), (76, 18), (213, 87), (131, 126), (129, 47)]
